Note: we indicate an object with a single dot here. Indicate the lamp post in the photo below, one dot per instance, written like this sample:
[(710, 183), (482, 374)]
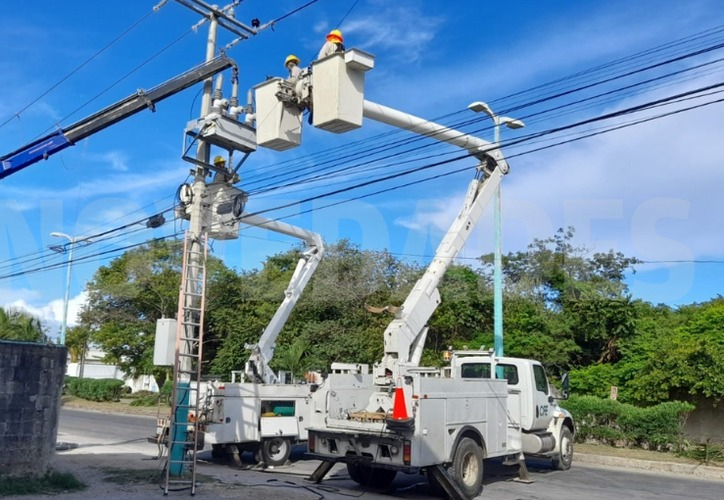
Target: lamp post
[(497, 259), (61, 249)]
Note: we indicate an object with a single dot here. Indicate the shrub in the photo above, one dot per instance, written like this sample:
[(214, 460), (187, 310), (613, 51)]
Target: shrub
[(105, 389), (704, 452), (607, 421)]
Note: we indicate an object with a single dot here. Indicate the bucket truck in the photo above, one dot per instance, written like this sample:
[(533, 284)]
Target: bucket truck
[(444, 422), (262, 413)]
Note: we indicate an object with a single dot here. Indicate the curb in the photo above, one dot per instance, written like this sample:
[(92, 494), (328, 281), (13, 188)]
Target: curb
[(701, 471)]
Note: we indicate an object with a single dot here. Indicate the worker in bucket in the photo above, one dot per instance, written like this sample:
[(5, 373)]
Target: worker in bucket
[(334, 43), (292, 65)]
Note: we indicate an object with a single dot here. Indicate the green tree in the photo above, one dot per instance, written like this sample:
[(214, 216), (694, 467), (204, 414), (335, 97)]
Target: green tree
[(77, 340), (686, 362), (16, 324), (579, 300), (126, 297)]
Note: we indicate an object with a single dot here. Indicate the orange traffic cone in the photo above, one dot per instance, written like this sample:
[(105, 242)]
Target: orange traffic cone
[(399, 406), (399, 420)]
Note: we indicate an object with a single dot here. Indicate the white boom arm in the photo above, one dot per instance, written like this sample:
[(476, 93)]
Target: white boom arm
[(257, 367), (405, 336)]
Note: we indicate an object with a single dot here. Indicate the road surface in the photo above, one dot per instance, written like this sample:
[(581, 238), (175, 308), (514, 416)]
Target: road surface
[(121, 440)]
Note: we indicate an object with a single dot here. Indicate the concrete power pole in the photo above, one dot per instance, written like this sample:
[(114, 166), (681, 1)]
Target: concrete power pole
[(190, 335)]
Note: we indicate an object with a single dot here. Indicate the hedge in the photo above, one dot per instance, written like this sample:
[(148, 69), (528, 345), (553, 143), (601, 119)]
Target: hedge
[(104, 389), (620, 424)]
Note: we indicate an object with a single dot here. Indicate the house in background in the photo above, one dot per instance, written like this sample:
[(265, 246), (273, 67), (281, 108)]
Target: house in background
[(92, 366)]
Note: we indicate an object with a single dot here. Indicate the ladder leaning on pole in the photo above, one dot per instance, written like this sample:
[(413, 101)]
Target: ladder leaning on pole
[(184, 429)]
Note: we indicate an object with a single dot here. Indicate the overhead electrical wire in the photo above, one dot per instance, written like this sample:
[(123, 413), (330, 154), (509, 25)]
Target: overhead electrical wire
[(86, 62), (416, 169), (529, 138), (300, 174), (645, 64)]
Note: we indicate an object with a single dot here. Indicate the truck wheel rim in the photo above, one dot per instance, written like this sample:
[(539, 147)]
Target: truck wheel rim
[(277, 448), (565, 449), (470, 469)]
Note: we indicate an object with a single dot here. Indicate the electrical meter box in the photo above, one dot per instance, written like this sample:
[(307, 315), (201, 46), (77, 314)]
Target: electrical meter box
[(338, 90), (278, 125), (164, 349), (225, 206)]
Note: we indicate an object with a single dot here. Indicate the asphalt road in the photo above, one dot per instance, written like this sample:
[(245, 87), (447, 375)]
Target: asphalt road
[(111, 432), (114, 434)]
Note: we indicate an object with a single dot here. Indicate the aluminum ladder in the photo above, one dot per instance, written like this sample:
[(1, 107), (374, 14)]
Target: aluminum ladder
[(184, 429)]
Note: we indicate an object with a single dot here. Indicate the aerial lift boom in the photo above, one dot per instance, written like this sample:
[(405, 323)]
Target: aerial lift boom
[(257, 367), (47, 146), (405, 336)]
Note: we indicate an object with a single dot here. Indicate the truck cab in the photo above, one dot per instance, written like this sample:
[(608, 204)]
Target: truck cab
[(537, 424)]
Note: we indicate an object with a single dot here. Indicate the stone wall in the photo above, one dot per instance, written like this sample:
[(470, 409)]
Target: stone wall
[(706, 423), (31, 383)]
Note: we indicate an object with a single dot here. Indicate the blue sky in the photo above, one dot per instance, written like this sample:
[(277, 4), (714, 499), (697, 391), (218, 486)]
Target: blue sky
[(651, 191)]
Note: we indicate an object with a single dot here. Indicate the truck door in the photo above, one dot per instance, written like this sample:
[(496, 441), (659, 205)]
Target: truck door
[(540, 393)]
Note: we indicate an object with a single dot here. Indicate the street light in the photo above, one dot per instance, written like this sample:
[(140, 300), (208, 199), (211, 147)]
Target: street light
[(61, 249), (477, 107)]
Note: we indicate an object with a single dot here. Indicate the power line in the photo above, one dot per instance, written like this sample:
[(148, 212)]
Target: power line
[(86, 62), (528, 139)]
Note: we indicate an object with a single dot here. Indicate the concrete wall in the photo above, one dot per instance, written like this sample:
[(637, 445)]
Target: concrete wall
[(31, 383), (706, 423)]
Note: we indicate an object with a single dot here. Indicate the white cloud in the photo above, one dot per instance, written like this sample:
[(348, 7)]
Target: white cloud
[(129, 185), (50, 313), (116, 160), (402, 28), (8, 295), (651, 191)]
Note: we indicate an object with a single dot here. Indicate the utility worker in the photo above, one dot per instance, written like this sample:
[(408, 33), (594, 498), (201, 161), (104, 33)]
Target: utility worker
[(334, 43), (219, 162), (292, 64)]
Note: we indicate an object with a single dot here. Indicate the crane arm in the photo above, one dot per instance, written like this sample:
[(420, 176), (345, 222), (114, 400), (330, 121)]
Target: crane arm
[(257, 367), (47, 146), (405, 336)]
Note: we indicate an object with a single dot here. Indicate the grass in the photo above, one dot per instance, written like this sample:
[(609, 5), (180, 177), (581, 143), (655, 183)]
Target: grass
[(123, 406), (51, 482)]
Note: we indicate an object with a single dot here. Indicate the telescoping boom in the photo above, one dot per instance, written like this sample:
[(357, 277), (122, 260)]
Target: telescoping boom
[(47, 146), (257, 367), (405, 336)]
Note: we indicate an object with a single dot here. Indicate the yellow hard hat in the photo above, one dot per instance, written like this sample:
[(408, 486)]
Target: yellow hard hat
[(335, 36), (219, 159), (291, 58)]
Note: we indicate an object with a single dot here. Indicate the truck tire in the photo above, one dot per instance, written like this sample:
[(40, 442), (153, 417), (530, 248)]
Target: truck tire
[(275, 451), (563, 460), (367, 476), (218, 452), (467, 467)]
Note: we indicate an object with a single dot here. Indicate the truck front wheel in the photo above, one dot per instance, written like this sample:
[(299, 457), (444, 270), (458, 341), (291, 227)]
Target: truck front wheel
[(275, 451), (563, 460), (467, 467)]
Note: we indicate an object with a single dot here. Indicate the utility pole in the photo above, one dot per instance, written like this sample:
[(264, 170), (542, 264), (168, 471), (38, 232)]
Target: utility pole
[(195, 237), (189, 351)]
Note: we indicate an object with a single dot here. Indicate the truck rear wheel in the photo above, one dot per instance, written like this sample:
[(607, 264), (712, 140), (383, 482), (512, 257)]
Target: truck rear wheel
[(275, 451), (364, 475), (563, 460), (467, 467), (218, 452)]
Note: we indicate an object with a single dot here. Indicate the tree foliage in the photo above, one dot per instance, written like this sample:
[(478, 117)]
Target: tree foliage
[(563, 305), (16, 324)]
